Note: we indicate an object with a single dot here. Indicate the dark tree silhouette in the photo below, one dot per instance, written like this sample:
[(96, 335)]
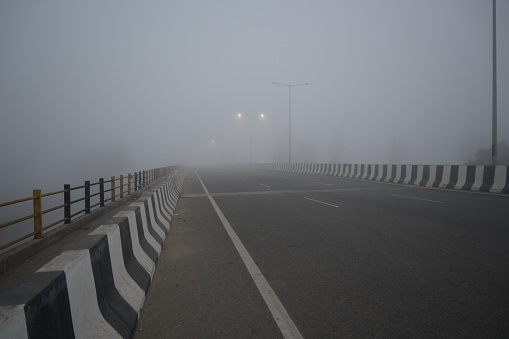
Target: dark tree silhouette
[(483, 155)]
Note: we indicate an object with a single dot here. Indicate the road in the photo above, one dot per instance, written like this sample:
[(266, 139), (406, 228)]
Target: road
[(328, 257)]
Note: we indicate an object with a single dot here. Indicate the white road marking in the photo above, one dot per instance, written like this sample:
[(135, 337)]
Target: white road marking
[(242, 178), (283, 320), (321, 183), (402, 196), (264, 185), (321, 202), (219, 194)]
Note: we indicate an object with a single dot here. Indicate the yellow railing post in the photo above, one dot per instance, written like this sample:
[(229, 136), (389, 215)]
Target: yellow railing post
[(112, 189), (37, 214), (129, 178), (121, 186)]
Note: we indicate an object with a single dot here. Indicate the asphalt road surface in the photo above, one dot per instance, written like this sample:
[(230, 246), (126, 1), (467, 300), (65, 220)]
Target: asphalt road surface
[(255, 253)]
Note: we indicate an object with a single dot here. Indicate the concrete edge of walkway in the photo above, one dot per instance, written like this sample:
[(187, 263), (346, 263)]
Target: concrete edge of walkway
[(97, 287)]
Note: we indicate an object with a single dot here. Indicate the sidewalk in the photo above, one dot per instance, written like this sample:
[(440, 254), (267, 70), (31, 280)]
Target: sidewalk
[(38, 258)]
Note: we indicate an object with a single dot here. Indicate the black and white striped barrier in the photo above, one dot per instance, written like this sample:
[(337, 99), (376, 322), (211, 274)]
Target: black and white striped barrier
[(494, 179), (97, 288)]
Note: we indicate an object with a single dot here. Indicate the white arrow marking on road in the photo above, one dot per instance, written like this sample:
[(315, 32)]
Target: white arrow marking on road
[(264, 185)]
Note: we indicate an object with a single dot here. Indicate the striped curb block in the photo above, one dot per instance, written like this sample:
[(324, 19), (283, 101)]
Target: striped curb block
[(97, 288), (493, 179)]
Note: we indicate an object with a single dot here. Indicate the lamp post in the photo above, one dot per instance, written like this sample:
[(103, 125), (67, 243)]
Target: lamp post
[(494, 89), (290, 116), (251, 132)]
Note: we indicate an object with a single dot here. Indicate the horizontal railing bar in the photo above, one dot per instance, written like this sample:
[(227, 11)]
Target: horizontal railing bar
[(79, 212), (53, 224), (16, 241), (53, 209), (77, 200), (16, 201), (77, 188), (95, 205), (52, 193), (18, 220), (95, 194)]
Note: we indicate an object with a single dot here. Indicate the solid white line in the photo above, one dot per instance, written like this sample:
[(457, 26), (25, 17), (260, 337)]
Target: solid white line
[(283, 320), (321, 202), (264, 185), (321, 183), (402, 196)]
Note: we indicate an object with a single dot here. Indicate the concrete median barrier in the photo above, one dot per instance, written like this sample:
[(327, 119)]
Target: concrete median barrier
[(97, 287), (493, 179)]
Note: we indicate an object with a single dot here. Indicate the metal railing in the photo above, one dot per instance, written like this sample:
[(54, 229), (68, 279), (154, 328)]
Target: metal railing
[(119, 188)]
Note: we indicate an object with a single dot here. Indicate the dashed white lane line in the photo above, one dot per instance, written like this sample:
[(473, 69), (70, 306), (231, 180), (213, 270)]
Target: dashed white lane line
[(283, 320), (265, 185), (320, 202), (321, 183), (402, 196)]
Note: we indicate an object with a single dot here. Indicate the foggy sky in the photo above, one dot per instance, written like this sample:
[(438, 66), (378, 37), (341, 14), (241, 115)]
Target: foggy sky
[(101, 88)]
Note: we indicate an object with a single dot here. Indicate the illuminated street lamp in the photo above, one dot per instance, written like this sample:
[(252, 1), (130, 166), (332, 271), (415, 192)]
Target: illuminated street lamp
[(290, 117), (251, 132)]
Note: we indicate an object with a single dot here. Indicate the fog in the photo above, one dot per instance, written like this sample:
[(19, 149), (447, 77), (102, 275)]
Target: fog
[(102, 88)]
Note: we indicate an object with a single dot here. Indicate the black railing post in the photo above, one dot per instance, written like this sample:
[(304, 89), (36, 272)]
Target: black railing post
[(144, 178), (135, 181), (67, 203), (101, 191), (87, 197)]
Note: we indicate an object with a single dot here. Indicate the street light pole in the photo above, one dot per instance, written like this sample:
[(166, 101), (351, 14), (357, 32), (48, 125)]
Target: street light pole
[(290, 116), (494, 89), (251, 133), (250, 138)]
